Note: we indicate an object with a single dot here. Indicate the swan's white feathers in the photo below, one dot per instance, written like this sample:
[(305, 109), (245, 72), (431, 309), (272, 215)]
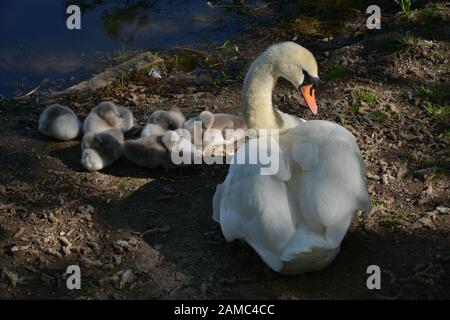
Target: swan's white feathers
[(306, 155), (295, 219)]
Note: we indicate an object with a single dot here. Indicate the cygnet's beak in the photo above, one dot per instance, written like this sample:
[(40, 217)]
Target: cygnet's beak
[(309, 95)]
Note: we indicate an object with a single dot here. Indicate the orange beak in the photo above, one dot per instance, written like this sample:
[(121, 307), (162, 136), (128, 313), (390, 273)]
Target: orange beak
[(308, 94)]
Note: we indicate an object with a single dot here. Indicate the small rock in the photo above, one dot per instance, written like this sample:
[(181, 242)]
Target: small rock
[(67, 249), (385, 179), (64, 241), (155, 73), (372, 176), (443, 210), (402, 172), (427, 222), (133, 241), (123, 244), (126, 278), (87, 209)]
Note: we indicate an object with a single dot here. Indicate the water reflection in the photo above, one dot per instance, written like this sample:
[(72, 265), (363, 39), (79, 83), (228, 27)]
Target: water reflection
[(117, 16), (37, 46)]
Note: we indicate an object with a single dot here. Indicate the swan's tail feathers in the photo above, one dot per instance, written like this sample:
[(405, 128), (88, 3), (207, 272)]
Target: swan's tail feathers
[(307, 251), (336, 233), (271, 259), (309, 261), (216, 203)]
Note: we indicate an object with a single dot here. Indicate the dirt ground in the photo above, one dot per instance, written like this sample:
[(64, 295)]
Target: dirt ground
[(148, 234)]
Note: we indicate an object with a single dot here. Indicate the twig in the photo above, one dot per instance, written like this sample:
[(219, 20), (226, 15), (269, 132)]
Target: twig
[(29, 93)]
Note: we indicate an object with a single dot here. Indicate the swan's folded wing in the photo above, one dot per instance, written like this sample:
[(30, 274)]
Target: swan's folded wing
[(256, 208), (333, 187)]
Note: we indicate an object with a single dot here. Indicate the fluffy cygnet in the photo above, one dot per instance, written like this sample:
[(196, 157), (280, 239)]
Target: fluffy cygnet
[(151, 129), (101, 149), (107, 115), (147, 152), (168, 120), (216, 129), (59, 122), (154, 151)]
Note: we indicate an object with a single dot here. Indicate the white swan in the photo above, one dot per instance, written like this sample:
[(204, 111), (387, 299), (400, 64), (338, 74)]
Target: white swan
[(296, 219)]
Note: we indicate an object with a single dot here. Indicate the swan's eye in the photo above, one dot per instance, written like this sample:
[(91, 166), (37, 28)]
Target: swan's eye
[(309, 80)]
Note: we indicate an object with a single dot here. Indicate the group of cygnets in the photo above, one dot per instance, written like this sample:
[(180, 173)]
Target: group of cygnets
[(165, 131)]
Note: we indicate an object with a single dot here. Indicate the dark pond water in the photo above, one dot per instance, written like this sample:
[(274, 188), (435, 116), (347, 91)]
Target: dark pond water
[(36, 48)]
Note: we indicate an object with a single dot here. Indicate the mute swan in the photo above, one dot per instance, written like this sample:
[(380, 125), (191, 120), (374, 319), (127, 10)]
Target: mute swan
[(59, 122), (294, 219), (214, 128), (107, 115), (101, 149)]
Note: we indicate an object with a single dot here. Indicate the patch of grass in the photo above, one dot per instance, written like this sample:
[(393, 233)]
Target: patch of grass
[(122, 80), (446, 134), (367, 96), (437, 98), (442, 165), (437, 111), (222, 55), (395, 219), (390, 110), (220, 79), (240, 76), (405, 6), (434, 94), (355, 107), (335, 72), (90, 289), (378, 116)]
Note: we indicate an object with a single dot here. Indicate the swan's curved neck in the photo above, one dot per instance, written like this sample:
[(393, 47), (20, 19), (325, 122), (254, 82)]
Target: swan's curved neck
[(256, 101)]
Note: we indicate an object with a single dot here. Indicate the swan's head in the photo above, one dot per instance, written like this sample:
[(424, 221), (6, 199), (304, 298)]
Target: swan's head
[(295, 64)]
